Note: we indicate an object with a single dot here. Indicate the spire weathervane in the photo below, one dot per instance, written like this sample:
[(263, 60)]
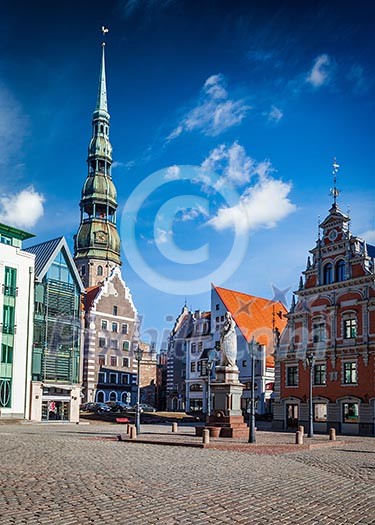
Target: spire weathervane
[(335, 191)]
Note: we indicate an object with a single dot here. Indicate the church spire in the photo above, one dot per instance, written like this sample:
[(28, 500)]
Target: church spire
[(101, 103), (97, 243)]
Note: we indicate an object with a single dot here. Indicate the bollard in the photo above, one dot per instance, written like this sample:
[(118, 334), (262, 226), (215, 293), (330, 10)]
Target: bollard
[(133, 432), (128, 428), (206, 436), (299, 438), (332, 434), (301, 428), (174, 427)]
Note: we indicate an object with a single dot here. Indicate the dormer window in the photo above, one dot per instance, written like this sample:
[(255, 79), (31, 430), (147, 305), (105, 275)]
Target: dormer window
[(328, 274)]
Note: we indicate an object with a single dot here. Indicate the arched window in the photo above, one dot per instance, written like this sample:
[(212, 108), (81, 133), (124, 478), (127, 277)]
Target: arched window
[(101, 128), (113, 396), (340, 271), (99, 270), (100, 397), (83, 270), (328, 274)]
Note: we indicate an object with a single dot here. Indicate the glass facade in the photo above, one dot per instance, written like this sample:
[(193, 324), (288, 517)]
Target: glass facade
[(56, 347)]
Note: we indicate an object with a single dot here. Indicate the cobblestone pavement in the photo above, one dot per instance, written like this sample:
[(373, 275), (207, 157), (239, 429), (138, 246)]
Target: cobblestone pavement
[(60, 475)]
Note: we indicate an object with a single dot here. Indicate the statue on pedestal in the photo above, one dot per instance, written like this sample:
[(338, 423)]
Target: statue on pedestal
[(228, 342)]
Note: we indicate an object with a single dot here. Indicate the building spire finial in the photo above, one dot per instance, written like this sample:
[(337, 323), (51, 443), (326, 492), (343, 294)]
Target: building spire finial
[(101, 103), (335, 191)]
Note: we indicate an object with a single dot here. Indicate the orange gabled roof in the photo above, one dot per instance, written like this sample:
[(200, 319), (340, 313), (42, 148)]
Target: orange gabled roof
[(254, 316), (90, 295)]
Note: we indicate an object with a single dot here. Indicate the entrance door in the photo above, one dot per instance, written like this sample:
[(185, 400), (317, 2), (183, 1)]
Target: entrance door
[(55, 410), (291, 416)]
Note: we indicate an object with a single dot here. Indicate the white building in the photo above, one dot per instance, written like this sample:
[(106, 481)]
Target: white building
[(16, 307)]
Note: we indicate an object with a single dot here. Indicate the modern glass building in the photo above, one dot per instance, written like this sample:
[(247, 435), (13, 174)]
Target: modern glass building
[(55, 370)]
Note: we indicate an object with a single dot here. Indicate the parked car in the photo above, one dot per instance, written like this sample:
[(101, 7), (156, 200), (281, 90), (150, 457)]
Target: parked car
[(144, 407), (88, 407), (101, 407), (118, 406)]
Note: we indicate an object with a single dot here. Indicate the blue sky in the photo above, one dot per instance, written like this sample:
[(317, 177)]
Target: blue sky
[(241, 105)]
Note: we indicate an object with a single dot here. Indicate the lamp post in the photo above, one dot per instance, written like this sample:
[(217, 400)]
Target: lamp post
[(212, 357), (311, 361), (138, 354), (252, 346)]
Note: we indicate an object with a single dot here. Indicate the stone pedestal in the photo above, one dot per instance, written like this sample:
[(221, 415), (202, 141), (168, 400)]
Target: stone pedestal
[(227, 413)]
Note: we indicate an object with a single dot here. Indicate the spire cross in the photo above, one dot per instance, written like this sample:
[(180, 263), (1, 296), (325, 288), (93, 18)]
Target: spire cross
[(335, 191)]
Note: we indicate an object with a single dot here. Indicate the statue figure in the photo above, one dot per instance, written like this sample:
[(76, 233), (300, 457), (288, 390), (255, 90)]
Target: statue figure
[(228, 342)]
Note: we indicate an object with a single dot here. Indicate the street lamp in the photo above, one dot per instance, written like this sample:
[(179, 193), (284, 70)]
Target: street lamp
[(252, 346), (311, 361), (138, 354), (212, 358)]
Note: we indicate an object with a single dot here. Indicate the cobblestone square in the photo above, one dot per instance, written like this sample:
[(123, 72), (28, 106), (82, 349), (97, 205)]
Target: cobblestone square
[(78, 475)]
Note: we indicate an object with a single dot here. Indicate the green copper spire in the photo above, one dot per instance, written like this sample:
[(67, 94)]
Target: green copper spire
[(101, 103), (97, 243)]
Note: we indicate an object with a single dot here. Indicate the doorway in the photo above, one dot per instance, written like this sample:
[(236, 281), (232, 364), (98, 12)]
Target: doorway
[(291, 416), (55, 410)]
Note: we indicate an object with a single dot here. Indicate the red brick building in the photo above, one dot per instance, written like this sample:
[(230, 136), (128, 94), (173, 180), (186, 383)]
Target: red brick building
[(334, 321)]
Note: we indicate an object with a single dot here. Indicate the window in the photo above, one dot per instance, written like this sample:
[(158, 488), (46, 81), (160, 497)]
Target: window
[(125, 379), (101, 377), (196, 387), (350, 413), (8, 319), (114, 344), (222, 318), (125, 346), (218, 319), (99, 270), (193, 347), (328, 274), (320, 412), (244, 364), (114, 327), (340, 271), (113, 396), (320, 374), (101, 342), (125, 362), (199, 368), (350, 328), (292, 375), (113, 378), (319, 332), (101, 359), (104, 325), (83, 270), (217, 307), (200, 346), (10, 281), (6, 354), (113, 360), (5, 240), (192, 366), (350, 373), (125, 329), (203, 368), (115, 310)]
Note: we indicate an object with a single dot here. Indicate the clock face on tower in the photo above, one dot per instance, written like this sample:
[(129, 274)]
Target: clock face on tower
[(101, 237), (332, 236)]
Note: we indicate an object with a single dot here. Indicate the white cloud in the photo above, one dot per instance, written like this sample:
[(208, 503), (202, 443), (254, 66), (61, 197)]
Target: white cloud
[(172, 173), (321, 71), (275, 114), (368, 236), (189, 214), (260, 206), (162, 236), (215, 111), (22, 209), (233, 165)]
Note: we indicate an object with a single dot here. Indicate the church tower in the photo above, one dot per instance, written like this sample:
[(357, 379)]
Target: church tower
[(97, 243)]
